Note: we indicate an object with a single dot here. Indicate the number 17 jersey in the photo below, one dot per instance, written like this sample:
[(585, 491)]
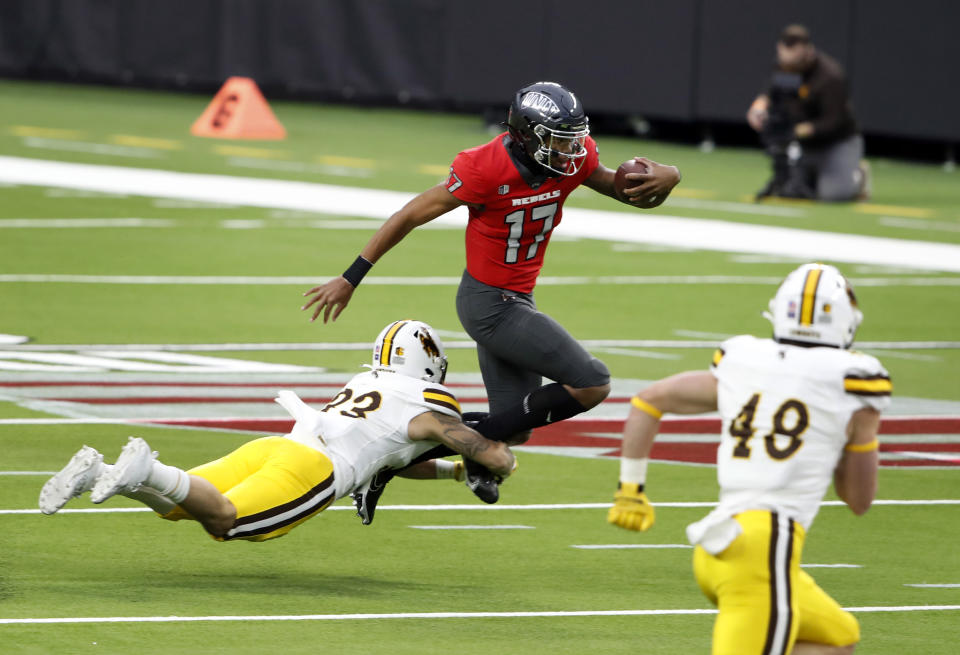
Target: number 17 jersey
[(512, 212)]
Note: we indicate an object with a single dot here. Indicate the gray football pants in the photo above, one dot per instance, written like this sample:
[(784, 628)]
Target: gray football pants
[(837, 168), (518, 346)]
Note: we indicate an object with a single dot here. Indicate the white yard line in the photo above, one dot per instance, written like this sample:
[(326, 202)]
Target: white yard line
[(472, 527), (432, 615), (92, 148), (59, 223), (617, 226), (106, 359), (500, 508), (429, 281), (627, 546)]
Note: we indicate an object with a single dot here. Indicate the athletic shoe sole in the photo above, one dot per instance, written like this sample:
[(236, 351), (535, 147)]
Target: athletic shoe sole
[(70, 481)]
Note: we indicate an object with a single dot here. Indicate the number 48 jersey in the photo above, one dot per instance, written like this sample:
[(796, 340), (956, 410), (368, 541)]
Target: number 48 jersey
[(512, 214), (364, 427), (785, 411)]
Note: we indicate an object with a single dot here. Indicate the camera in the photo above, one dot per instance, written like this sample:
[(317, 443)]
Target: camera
[(790, 179)]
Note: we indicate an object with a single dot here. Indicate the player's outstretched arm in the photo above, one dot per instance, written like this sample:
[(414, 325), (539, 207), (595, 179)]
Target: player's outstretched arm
[(451, 431), (650, 189), (334, 296), (693, 392), (855, 477)]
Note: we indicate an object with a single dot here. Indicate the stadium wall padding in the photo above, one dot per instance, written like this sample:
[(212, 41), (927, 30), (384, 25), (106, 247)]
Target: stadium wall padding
[(692, 61)]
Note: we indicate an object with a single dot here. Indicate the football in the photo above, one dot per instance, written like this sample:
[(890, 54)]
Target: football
[(620, 182)]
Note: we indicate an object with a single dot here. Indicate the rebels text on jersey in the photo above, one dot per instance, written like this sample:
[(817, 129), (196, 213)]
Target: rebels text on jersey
[(510, 220)]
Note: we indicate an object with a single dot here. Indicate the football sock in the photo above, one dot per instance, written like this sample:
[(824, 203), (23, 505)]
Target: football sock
[(548, 404), (159, 504), (169, 481), (445, 469)]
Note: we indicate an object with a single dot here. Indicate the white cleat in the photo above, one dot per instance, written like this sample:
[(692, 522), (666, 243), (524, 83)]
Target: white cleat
[(129, 472), (71, 481)]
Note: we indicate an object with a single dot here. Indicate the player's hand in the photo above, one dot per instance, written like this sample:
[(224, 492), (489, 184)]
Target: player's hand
[(757, 118), (631, 509), (332, 296), (513, 469), (653, 187)]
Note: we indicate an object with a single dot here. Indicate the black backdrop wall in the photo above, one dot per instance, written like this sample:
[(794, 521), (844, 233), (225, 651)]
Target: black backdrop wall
[(692, 61)]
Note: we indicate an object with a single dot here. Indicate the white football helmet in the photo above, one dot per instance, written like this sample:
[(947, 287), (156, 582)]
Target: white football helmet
[(815, 305), (410, 348)]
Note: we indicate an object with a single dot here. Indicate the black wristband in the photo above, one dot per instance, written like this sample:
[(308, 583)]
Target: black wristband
[(357, 270)]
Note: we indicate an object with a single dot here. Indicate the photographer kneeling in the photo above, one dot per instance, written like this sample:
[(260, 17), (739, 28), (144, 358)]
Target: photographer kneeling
[(806, 123)]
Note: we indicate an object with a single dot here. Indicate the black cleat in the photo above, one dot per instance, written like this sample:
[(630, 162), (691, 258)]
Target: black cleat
[(366, 497), (484, 484), (473, 419)]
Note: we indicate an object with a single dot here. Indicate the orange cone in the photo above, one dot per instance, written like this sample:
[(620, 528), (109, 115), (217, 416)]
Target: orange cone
[(238, 111)]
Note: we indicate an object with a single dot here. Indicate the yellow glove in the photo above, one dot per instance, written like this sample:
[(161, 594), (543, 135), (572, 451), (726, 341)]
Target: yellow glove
[(631, 508)]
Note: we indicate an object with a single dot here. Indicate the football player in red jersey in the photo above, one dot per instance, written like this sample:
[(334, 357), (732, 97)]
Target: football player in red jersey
[(514, 187)]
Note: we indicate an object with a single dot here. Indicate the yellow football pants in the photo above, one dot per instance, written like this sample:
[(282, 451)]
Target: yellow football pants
[(275, 483), (766, 602)]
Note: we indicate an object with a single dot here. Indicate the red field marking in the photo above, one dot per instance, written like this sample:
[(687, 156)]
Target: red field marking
[(178, 400), (711, 425), (698, 425), (592, 433), (270, 385)]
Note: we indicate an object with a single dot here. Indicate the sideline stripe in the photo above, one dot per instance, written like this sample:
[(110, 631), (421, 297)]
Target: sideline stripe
[(498, 507), (433, 615), (364, 345), (472, 527), (734, 207), (621, 226)]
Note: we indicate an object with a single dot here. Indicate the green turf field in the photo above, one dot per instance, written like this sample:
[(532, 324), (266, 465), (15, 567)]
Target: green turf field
[(107, 564)]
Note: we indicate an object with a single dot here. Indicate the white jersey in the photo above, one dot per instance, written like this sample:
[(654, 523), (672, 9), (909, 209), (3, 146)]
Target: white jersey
[(784, 412), (364, 427)]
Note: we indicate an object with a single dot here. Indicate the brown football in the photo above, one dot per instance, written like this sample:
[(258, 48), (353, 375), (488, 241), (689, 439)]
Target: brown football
[(620, 182)]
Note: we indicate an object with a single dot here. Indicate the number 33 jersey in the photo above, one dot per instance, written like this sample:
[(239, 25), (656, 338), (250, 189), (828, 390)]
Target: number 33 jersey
[(364, 427), (510, 220), (785, 411)]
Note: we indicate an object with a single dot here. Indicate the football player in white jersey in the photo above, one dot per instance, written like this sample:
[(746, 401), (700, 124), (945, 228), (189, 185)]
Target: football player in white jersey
[(798, 411), (385, 418)]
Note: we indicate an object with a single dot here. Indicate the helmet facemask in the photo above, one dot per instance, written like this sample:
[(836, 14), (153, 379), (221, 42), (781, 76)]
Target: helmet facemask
[(561, 151)]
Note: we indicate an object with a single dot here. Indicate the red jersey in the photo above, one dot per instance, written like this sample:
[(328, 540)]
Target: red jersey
[(510, 220)]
